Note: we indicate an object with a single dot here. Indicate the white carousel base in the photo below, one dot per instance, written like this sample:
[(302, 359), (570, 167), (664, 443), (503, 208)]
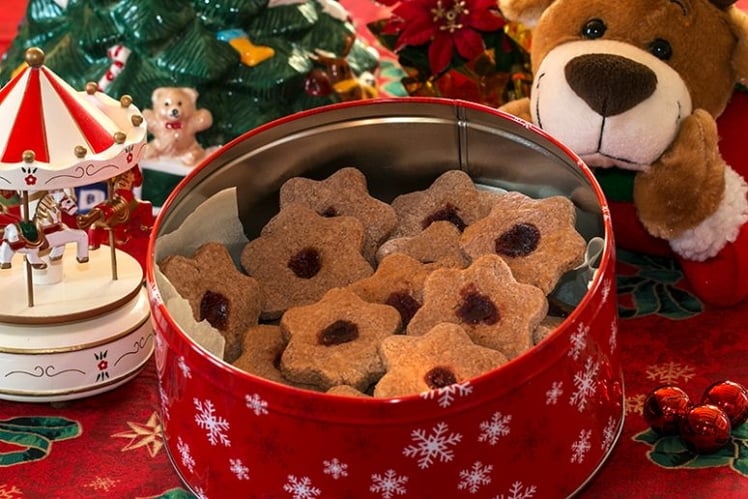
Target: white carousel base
[(67, 290), (100, 338)]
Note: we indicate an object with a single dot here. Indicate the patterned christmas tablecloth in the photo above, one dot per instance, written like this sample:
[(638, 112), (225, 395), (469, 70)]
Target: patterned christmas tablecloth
[(110, 445)]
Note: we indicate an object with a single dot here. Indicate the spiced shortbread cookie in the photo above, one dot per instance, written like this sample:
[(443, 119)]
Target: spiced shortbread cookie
[(345, 192), (452, 197), (439, 243), (536, 238), (300, 255), (217, 292), (397, 282), (335, 340), (495, 310), (445, 355)]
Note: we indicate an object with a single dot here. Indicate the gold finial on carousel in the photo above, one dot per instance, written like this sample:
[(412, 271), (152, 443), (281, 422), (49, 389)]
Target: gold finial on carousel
[(136, 120), (28, 156), (125, 101), (34, 57), (120, 137), (80, 151), (91, 87)]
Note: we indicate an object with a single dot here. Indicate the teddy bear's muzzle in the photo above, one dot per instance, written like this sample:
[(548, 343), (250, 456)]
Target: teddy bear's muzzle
[(608, 83)]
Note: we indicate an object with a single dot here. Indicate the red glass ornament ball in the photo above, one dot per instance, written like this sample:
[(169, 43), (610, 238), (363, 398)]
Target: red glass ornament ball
[(317, 83), (705, 429), (664, 407), (731, 397)]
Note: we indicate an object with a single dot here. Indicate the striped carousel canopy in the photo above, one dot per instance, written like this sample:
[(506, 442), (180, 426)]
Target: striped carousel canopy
[(52, 136)]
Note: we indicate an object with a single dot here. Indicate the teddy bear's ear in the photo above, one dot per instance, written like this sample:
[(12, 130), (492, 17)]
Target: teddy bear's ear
[(526, 12), (191, 92), (739, 23)]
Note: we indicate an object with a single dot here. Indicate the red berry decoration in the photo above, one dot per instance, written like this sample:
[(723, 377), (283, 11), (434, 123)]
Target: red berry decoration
[(664, 407), (705, 429), (731, 397)]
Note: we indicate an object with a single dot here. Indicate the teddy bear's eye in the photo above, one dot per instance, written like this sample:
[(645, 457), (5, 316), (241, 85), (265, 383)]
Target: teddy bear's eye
[(594, 28), (661, 49)]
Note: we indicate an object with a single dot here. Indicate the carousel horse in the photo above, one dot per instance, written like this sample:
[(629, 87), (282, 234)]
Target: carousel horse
[(45, 234)]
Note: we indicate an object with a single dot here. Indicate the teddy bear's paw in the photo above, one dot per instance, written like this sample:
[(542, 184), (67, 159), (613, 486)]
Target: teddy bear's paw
[(686, 185), (707, 239), (519, 108)]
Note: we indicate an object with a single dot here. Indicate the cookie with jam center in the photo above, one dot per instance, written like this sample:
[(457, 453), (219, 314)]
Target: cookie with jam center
[(484, 299), (537, 238), (445, 355), (335, 341)]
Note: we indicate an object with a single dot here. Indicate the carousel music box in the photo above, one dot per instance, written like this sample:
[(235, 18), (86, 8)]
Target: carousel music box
[(74, 315)]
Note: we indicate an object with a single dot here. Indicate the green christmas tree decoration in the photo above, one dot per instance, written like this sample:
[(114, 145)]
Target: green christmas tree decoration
[(135, 46)]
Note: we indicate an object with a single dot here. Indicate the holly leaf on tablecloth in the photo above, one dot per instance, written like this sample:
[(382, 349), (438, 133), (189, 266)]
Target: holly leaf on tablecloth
[(653, 288), (33, 437), (173, 494), (669, 451)]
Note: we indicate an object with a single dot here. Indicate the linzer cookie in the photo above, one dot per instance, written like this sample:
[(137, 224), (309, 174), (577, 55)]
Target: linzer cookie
[(300, 255), (452, 197), (494, 309), (397, 282), (335, 341), (445, 355), (344, 192), (439, 243), (217, 292), (536, 238), (261, 352)]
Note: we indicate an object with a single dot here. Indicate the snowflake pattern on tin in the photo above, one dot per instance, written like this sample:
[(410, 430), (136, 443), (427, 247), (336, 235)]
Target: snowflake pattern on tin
[(435, 445), (613, 340), (215, 426), (185, 455), (578, 341), (475, 478), (238, 468), (335, 468), (446, 395), (585, 384), (609, 434), (165, 402), (301, 488), (388, 485), (186, 371), (256, 404), (200, 493), (518, 490), (553, 394), (605, 292), (492, 431), (581, 446)]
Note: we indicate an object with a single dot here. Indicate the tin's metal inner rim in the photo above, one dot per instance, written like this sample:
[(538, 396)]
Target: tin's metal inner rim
[(401, 146)]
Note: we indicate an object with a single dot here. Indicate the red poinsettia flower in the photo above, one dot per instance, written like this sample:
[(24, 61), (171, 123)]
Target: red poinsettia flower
[(448, 25)]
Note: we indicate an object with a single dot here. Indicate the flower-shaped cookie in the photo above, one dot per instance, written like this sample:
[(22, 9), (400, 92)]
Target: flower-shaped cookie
[(443, 356), (494, 309), (300, 255), (397, 282), (439, 243), (536, 238), (263, 346), (335, 341), (217, 292), (452, 197), (345, 192)]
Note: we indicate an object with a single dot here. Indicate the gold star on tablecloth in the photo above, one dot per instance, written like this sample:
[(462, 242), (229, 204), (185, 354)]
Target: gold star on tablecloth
[(146, 435)]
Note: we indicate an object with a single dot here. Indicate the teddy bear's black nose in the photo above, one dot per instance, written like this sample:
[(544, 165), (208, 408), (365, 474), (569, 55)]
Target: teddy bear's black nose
[(608, 83)]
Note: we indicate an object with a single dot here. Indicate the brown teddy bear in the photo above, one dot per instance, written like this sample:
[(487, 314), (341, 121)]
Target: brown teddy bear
[(173, 123), (635, 89)]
